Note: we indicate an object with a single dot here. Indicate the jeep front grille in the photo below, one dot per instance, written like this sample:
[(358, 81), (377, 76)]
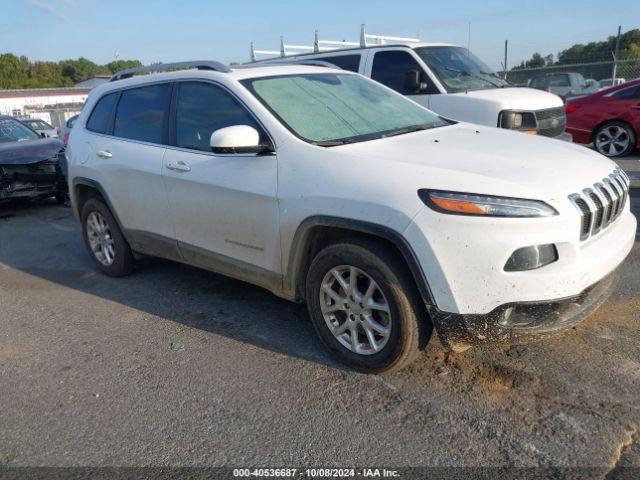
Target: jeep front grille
[(601, 205), (551, 122)]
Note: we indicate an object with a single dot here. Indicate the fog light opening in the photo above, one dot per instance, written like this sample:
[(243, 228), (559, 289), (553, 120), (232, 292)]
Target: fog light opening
[(530, 258)]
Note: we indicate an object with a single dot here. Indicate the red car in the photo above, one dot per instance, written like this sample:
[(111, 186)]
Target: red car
[(610, 119)]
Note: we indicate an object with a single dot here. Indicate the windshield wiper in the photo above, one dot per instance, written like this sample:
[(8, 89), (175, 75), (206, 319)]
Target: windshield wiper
[(392, 133), (495, 75), (334, 143), (402, 131), (472, 74)]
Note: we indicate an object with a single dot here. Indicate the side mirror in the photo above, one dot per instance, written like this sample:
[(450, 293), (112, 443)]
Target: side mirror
[(413, 83), (238, 139), (43, 135)]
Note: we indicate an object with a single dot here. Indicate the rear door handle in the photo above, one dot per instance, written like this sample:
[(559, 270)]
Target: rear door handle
[(179, 167), (104, 154)]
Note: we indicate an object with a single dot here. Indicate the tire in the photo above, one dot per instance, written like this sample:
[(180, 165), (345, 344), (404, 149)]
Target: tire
[(95, 212), (400, 333), (614, 139)]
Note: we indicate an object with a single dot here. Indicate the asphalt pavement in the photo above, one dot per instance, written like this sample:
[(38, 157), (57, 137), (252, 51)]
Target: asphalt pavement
[(175, 366)]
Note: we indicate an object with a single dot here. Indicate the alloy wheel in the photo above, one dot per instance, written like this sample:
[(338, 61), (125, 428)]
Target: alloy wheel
[(355, 310), (612, 140), (100, 239)]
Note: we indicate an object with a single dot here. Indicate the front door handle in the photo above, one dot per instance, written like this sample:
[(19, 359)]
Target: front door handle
[(104, 154), (179, 167)]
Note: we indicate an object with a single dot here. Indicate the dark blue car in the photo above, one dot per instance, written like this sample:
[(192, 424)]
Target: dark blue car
[(31, 166)]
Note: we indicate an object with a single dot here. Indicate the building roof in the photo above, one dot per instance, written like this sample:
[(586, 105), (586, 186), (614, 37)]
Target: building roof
[(43, 92), (93, 81)]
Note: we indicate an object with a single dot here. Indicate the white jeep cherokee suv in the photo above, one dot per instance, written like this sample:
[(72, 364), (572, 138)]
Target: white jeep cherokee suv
[(326, 187)]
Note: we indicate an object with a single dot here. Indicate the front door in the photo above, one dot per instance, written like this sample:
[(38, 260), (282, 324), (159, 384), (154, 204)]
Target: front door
[(224, 206), (390, 67)]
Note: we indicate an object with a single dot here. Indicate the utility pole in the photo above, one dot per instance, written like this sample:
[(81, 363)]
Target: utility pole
[(615, 57), (504, 66)]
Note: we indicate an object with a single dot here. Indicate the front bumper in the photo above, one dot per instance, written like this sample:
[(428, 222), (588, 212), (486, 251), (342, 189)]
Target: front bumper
[(463, 258), (522, 322), (32, 181)]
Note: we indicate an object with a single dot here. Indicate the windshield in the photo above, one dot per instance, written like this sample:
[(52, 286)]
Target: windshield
[(459, 70), (14, 131), (332, 109)]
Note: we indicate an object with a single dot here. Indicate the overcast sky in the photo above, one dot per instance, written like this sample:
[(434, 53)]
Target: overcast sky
[(153, 31)]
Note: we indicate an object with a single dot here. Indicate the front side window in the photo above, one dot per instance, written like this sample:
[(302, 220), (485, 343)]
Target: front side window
[(459, 70), (331, 109), (345, 62), (204, 108), (141, 112), (100, 119), (390, 68), (14, 131)]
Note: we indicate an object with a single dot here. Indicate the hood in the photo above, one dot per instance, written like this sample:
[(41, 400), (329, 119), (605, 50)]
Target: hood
[(32, 151), (516, 98), (484, 160)]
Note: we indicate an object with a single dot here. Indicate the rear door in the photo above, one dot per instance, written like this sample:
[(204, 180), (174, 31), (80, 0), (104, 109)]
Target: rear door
[(127, 150), (224, 206)]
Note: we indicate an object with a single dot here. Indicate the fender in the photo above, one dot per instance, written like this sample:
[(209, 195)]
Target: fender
[(87, 182), (294, 285)]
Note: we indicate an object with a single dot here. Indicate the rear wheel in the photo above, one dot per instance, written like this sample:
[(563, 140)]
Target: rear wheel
[(614, 139), (104, 240), (365, 307)]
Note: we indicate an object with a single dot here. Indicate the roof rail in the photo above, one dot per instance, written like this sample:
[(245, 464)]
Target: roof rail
[(366, 40), (200, 65)]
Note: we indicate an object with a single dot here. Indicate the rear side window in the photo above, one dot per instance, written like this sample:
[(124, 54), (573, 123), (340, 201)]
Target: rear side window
[(203, 108), (141, 113), (390, 68), (100, 119), (628, 93), (345, 62)]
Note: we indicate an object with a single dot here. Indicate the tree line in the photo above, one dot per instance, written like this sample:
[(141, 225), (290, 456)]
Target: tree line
[(20, 72), (593, 51)]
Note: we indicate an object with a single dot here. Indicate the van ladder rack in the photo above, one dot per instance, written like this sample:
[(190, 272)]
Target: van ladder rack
[(319, 46), (200, 65), (278, 62)]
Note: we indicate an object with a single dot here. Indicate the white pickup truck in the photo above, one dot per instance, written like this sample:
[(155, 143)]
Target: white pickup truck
[(448, 80)]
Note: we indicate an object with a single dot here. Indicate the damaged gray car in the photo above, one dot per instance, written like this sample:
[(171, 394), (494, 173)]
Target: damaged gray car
[(31, 167)]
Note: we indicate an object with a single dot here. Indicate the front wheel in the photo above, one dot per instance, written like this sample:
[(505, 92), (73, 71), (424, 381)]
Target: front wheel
[(614, 139), (365, 306)]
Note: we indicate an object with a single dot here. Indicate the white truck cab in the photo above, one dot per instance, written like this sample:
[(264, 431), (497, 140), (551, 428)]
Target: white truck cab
[(445, 78)]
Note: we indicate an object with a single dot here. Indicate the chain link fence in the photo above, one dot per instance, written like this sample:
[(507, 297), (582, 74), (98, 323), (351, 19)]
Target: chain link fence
[(597, 70)]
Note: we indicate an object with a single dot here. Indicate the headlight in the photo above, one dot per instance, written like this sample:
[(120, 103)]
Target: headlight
[(481, 205), (524, 121)]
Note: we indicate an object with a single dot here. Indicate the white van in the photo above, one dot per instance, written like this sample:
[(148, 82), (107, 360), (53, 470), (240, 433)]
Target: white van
[(445, 78)]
